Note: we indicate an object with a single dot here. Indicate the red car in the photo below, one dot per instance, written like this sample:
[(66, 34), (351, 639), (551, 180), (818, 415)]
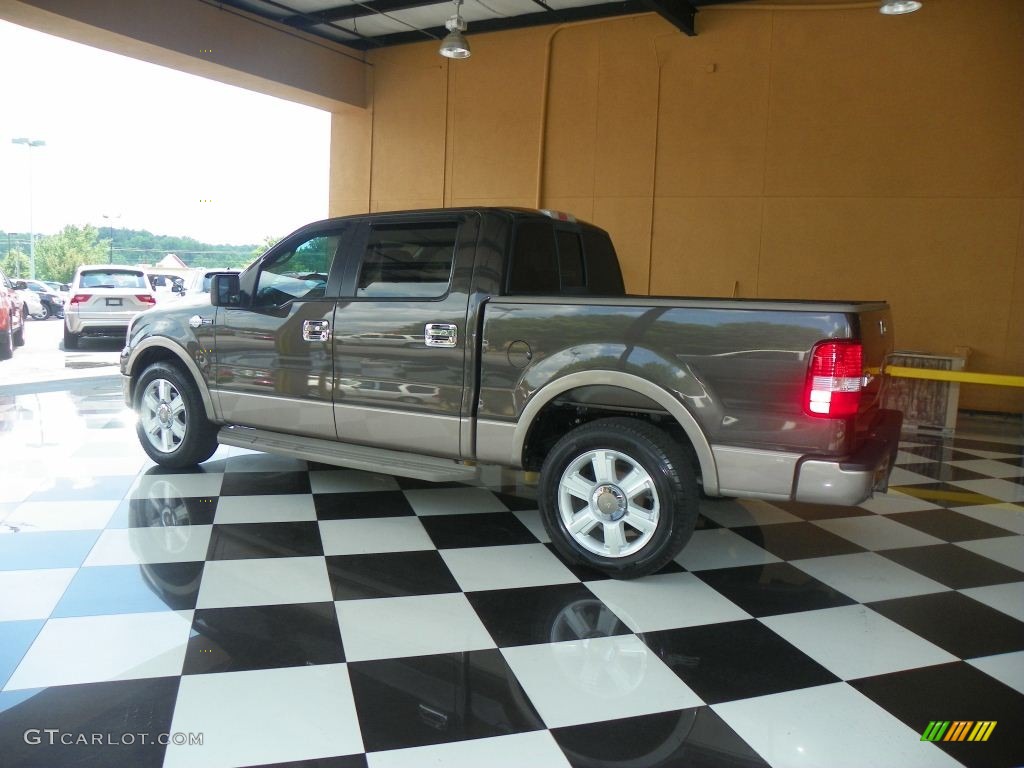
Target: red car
[(12, 318)]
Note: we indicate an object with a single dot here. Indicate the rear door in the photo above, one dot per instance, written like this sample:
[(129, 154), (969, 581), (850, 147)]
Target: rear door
[(401, 336)]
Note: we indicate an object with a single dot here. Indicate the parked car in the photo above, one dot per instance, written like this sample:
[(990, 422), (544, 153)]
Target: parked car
[(31, 301), (60, 287), (532, 357), (52, 302), (199, 280), (104, 299), (12, 318)]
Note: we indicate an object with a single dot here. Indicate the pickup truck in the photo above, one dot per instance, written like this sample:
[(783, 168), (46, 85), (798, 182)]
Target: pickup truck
[(427, 343)]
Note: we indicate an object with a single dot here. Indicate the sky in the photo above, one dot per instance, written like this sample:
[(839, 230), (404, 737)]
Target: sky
[(144, 145)]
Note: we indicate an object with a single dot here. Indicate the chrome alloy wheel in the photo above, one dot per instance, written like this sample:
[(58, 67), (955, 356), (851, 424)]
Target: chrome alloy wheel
[(163, 416), (608, 503)]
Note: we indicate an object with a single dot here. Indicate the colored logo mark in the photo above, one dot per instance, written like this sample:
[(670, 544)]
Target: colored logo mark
[(958, 730)]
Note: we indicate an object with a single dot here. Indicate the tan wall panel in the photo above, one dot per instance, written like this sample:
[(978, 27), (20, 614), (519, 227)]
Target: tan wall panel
[(927, 104), (571, 134), (628, 221), (703, 246), (714, 106), (350, 162)]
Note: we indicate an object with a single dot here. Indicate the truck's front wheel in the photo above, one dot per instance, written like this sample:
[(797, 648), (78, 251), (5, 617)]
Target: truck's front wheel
[(172, 426), (618, 495)]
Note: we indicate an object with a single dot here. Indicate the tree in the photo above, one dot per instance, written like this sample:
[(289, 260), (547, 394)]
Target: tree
[(57, 256), (263, 247), (15, 264)]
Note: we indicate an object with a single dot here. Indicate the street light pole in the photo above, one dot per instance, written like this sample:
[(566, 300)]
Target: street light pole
[(110, 226), (31, 228)]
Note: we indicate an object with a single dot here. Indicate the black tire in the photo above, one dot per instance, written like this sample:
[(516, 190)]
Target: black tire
[(70, 339), (18, 336), (671, 489), (200, 438), (7, 342)]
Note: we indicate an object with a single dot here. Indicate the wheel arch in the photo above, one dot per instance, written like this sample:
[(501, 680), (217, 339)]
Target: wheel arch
[(155, 350)]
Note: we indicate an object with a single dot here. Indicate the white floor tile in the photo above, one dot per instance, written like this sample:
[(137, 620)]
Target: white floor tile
[(894, 501), (1007, 668), (721, 548), (349, 481), (830, 725), (1008, 550), (866, 576), (132, 546), (876, 532), (32, 594), (1003, 515), (410, 626), (265, 716), (61, 515), (531, 519), (229, 583), (1004, 490), (599, 679), (854, 641), (453, 501), (271, 508), (902, 476), (182, 486), (517, 565), (537, 749), (373, 534), (666, 601), (736, 513), (90, 649), (990, 467), (1008, 598)]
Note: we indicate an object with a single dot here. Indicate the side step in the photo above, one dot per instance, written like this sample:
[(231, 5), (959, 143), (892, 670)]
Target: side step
[(349, 455)]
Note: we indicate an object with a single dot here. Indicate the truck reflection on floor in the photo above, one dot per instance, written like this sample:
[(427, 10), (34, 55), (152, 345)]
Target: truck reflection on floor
[(438, 698)]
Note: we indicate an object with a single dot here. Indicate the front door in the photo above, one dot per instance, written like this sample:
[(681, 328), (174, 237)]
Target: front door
[(401, 336), (274, 364)]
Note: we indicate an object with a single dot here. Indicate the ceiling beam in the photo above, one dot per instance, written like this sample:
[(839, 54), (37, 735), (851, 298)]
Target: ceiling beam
[(359, 10), (681, 13)]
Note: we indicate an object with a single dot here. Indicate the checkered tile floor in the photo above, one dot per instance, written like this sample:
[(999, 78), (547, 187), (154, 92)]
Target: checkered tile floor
[(303, 614)]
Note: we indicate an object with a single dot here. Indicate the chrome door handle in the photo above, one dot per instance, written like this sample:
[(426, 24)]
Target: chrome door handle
[(440, 334), (316, 330)]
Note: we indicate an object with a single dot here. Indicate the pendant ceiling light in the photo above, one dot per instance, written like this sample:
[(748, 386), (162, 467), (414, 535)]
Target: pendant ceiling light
[(455, 45), (898, 7)]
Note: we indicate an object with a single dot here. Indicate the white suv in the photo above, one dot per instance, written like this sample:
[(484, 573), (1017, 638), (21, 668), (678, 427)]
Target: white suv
[(104, 300)]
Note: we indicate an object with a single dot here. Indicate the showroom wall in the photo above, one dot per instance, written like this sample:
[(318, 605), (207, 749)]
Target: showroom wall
[(780, 153)]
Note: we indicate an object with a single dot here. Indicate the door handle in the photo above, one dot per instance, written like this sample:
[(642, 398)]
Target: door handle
[(316, 330), (440, 334)]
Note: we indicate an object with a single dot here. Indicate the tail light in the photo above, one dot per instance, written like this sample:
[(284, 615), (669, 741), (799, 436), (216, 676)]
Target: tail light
[(80, 298), (145, 298), (834, 379)]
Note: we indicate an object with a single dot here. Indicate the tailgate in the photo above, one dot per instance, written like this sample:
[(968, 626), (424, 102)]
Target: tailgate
[(876, 337)]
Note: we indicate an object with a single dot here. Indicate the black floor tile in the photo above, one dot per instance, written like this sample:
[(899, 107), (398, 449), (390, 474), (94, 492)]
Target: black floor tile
[(944, 494), (735, 660), (938, 453), (941, 471), (987, 445), (796, 541), (263, 637), (359, 504), (811, 512), (767, 590), (955, 692), (264, 483), (489, 529), (949, 525), (414, 484), (163, 512), (216, 467), (516, 503), (956, 623), (123, 709), (549, 614), (705, 524), (439, 699), (586, 573), (391, 574), (239, 541), (690, 738), (953, 566), (1016, 461)]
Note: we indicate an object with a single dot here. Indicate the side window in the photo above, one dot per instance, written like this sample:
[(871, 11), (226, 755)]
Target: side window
[(570, 261), (534, 264), (297, 274), (408, 261)]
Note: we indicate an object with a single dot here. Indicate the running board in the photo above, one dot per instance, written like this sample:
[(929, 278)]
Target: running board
[(349, 455)]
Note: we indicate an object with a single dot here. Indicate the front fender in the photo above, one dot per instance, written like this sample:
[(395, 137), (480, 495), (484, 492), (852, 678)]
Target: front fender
[(140, 354)]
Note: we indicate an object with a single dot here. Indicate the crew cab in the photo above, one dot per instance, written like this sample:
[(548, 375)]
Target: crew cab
[(427, 343)]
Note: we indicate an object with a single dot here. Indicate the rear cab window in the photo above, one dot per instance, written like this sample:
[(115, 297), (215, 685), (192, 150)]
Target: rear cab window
[(112, 278), (551, 258)]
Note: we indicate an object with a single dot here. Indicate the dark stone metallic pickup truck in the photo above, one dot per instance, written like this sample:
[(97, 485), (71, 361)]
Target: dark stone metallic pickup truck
[(426, 343)]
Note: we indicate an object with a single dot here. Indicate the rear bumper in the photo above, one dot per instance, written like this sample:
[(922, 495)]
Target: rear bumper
[(851, 480)]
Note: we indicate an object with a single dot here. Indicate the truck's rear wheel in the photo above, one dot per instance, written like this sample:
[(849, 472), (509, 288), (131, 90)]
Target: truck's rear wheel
[(172, 426), (618, 495)]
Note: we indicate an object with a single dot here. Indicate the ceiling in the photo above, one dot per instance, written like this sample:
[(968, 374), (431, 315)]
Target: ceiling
[(368, 24)]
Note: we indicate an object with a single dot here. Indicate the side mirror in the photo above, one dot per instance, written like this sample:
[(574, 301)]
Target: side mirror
[(20, 285), (224, 290)]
